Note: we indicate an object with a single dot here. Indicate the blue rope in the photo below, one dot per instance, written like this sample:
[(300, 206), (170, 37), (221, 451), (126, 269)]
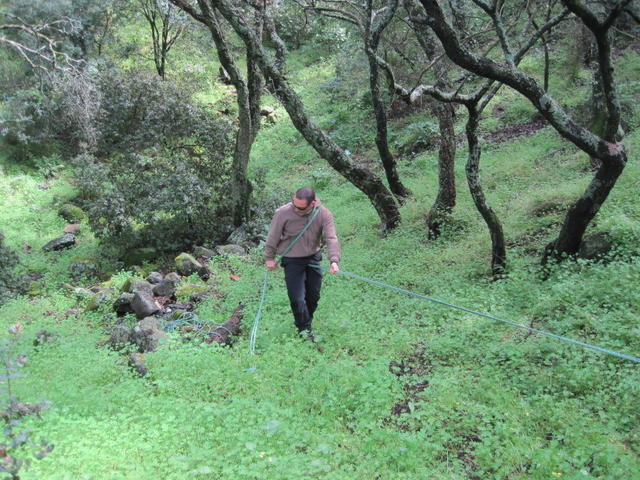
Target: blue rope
[(256, 321), (486, 315)]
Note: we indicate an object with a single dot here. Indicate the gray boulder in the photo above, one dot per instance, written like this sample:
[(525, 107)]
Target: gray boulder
[(172, 276), (187, 265), (68, 240), (167, 288), (144, 305), (202, 252), (595, 246), (98, 298), (122, 305), (154, 278), (230, 249), (140, 286), (147, 334), (119, 337)]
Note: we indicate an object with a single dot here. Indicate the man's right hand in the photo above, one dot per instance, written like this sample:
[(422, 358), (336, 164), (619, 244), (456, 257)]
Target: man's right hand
[(271, 264)]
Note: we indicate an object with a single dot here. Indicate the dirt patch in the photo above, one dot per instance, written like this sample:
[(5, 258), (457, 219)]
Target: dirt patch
[(510, 132), (415, 366)]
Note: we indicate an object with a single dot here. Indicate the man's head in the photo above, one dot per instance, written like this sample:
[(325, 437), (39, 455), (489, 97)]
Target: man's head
[(304, 200)]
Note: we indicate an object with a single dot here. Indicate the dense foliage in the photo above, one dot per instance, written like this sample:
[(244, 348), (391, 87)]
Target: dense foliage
[(399, 388), (11, 284)]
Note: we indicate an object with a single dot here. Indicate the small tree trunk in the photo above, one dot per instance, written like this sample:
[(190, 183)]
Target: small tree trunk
[(582, 212), (382, 200), (446, 199), (498, 249), (382, 142), (225, 332)]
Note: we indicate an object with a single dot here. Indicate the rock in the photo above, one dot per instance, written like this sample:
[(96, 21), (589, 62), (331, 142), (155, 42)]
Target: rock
[(66, 241), (230, 249), (72, 228), (173, 276), (595, 246), (202, 252), (187, 265), (137, 362), (44, 336), (137, 285), (98, 299), (147, 334), (144, 305), (269, 113), (120, 336), (83, 269), (82, 292), (122, 305), (138, 256), (154, 278), (167, 288), (72, 213)]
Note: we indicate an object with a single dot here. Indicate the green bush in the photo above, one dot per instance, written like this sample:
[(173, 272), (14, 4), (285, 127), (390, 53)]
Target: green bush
[(11, 284), (164, 202)]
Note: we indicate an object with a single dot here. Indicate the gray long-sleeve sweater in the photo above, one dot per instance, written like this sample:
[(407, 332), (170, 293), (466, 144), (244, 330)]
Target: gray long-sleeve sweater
[(286, 225)]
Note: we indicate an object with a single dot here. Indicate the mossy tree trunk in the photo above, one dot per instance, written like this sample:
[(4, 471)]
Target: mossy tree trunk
[(605, 148), (380, 197), (498, 248), (446, 199), (248, 94)]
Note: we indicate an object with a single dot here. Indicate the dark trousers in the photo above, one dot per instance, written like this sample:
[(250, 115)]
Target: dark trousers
[(303, 285)]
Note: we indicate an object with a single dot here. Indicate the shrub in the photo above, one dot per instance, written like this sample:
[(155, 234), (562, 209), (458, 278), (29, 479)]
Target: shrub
[(11, 284), (164, 201)]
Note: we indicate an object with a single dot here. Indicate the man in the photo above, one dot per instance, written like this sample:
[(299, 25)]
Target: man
[(303, 279)]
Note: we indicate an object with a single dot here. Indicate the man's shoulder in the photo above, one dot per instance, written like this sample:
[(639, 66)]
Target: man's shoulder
[(283, 209)]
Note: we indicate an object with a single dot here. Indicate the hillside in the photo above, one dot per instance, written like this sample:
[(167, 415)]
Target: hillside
[(399, 388)]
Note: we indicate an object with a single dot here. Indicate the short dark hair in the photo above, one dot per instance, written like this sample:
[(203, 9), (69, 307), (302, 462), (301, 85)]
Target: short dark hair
[(306, 193)]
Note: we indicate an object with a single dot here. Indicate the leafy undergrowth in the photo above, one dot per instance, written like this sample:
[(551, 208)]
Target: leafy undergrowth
[(403, 388)]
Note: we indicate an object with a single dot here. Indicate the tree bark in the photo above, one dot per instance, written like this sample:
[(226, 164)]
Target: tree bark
[(382, 200), (371, 37), (225, 332), (248, 95), (382, 138), (446, 199), (498, 248), (605, 148)]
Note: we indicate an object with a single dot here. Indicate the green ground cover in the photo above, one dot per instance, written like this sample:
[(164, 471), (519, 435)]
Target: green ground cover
[(403, 389)]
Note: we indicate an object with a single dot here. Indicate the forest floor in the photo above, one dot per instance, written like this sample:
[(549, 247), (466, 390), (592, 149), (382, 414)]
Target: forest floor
[(402, 389)]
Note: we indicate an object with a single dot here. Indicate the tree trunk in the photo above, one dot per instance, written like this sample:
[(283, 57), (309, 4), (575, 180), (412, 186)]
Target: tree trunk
[(248, 99), (583, 211), (224, 333), (382, 142), (446, 199), (498, 249), (605, 148), (382, 200)]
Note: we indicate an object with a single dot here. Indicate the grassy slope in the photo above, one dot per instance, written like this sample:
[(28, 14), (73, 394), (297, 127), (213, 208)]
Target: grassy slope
[(480, 400)]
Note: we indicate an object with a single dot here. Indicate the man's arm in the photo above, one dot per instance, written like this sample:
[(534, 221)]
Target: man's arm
[(331, 239), (273, 239)]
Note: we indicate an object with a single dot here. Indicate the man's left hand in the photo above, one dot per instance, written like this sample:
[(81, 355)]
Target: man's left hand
[(334, 268)]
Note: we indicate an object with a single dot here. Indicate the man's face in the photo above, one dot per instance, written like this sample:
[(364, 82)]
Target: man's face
[(301, 206)]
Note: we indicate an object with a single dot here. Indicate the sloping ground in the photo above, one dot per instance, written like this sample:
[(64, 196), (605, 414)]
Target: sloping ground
[(403, 389)]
